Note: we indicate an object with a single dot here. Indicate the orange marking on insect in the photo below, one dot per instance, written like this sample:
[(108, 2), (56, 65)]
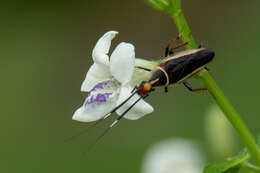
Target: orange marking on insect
[(145, 88)]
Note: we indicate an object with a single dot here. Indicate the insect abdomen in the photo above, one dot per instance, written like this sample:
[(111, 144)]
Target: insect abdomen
[(180, 67)]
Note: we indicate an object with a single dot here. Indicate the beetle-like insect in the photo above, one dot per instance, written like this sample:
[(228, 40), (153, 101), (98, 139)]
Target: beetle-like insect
[(175, 69)]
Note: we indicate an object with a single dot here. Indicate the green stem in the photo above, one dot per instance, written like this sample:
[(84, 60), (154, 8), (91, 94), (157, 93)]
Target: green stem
[(176, 13), (231, 114)]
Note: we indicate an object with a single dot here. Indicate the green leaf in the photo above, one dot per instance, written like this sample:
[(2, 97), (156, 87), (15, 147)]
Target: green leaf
[(161, 5), (229, 166)]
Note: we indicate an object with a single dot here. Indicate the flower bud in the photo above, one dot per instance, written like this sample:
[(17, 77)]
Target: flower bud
[(219, 133)]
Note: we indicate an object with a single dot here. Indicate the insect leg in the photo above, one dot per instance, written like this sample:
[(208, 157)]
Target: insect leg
[(166, 89), (143, 68), (179, 46), (168, 50), (188, 86)]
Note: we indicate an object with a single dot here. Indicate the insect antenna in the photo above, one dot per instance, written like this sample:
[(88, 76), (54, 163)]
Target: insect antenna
[(121, 104), (84, 131), (128, 109), (102, 119), (117, 120)]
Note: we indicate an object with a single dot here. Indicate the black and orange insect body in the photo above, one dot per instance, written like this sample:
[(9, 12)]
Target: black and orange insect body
[(177, 69)]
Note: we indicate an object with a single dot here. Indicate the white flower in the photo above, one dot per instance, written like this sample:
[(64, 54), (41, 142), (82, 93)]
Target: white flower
[(110, 81), (173, 156)]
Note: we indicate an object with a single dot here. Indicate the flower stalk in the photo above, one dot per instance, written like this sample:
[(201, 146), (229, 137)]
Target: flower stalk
[(175, 12)]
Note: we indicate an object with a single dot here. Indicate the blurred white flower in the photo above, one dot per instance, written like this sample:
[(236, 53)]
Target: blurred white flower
[(219, 132), (174, 156), (110, 81)]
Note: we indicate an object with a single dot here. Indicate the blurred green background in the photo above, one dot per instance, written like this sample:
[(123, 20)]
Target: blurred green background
[(46, 51)]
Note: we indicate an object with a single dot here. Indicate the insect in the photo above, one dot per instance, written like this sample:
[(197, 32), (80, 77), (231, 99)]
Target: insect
[(174, 69)]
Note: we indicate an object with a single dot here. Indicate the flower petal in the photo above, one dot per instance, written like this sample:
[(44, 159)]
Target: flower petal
[(140, 109), (174, 155), (122, 62), (101, 100), (99, 71), (140, 74), (95, 75), (101, 48)]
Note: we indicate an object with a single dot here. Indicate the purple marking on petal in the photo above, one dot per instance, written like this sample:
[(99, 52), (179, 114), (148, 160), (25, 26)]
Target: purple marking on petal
[(99, 86), (101, 98), (97, 98)]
